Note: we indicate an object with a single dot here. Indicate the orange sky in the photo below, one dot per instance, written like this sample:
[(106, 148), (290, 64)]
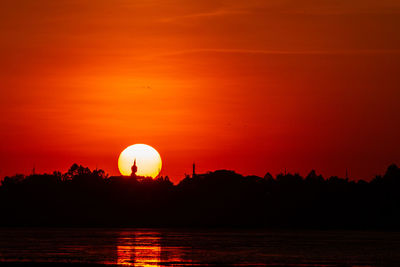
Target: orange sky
[(252, 86)]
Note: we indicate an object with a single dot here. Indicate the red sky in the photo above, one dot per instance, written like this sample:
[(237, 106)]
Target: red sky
[(252, 86)]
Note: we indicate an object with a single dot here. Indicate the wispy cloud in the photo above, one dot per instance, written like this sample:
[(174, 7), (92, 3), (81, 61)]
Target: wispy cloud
[(212, 13), (285, 52), (341, 7)]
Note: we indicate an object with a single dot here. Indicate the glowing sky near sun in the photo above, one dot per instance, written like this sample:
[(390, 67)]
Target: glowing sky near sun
[(253, 86), (146, 159)]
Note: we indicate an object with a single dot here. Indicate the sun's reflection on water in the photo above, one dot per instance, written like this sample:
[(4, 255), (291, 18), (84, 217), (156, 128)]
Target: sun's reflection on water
[(143, 249)]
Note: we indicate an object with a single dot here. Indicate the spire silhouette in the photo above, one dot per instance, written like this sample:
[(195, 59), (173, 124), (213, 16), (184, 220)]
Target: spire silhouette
[(134, 169)]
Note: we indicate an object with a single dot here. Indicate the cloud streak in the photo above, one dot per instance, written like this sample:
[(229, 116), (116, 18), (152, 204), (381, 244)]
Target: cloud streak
[(284, 52), (214, 13)]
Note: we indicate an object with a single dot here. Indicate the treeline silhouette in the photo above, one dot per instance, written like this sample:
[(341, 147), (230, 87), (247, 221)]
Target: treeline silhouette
[(81, 197)]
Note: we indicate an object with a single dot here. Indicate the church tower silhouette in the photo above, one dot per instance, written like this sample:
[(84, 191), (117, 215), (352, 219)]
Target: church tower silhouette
[(134, 169)]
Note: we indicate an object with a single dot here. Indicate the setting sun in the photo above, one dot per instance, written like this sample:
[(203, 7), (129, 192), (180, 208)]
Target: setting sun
[(148, 160)]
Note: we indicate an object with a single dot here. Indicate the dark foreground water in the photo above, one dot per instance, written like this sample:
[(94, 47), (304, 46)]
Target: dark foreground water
[(158, 247)]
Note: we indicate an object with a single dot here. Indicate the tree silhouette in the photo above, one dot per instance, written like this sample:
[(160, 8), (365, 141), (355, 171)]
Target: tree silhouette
[(81, 197)]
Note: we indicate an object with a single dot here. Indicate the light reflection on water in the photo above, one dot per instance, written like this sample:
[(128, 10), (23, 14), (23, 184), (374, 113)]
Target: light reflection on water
[(149, 248), (141, 250), (145, 249)]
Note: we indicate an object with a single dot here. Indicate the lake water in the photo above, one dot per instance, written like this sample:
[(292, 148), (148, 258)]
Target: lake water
[(165, 247)]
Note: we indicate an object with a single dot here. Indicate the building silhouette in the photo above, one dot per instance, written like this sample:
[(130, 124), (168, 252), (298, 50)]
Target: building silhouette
[(134, 169)]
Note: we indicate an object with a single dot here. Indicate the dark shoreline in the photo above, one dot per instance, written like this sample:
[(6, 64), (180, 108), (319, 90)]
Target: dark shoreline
[(219, 199)]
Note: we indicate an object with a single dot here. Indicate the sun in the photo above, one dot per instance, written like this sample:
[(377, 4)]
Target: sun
[(148, 160)]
